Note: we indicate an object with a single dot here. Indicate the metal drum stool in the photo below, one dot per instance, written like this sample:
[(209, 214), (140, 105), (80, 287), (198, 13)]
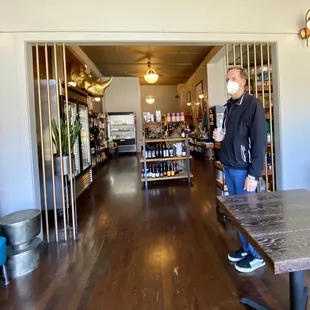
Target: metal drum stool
[(20, 230), (3, 259)]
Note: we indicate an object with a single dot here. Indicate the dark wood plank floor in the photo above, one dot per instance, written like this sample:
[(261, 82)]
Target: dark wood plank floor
[(164, 248)]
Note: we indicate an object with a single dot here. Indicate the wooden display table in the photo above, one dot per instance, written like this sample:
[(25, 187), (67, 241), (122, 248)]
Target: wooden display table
[(277, 226)]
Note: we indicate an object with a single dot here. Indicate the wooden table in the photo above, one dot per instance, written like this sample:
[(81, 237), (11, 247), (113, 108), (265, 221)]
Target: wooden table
[(277, 224)]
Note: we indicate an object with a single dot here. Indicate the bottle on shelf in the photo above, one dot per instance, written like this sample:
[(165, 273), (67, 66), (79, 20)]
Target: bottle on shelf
[(153, 153), (156, 151), (145, 153), (142, 173), (182, 133), (172, 171), (168, 170), (166, 151), (183, 151), (171, 153), (161, 170), (157, 172), (149, 153), (176, 168), (165, 169), (153, 172)]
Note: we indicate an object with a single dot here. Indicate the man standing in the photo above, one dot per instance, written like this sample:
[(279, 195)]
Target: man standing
[(242, 153)]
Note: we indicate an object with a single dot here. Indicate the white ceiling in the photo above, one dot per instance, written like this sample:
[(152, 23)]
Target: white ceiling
[(174, 64)]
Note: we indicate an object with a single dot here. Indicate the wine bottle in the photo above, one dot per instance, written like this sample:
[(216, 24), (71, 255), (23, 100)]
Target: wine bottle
[(171, 151), (156, 151), (176, 168), (183, 133), (142, 173), (183, 151), (161, 151), (172, 172), (167, 151), (168, 170), (157, 172), (165, 169), (153, 172), (161, 170)]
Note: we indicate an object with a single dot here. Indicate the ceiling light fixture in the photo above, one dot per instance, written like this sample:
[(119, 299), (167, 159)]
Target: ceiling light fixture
[(151, 76), (97, 99), (197, 103), (189, 104), (201, 96), (150, 99), (305, 32)]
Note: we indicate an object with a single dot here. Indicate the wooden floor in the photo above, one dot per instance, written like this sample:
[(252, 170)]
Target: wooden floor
[(164, 248)]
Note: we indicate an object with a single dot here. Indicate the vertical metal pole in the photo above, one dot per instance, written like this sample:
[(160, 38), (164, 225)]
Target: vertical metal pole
[(144, 162), (249, 70), (263, 99), (69, 139), (187, 160), (234, 53), (42, 144), (241, 56), (270, 116), (255, 70), (60, 142), (51, 139), (227, 64)]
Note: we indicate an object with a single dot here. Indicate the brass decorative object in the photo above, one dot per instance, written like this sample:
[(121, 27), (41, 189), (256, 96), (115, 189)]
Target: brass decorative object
[(95, 87), (305, 32)]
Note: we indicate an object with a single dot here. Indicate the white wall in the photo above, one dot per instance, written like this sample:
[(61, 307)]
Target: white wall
[(216, 79), (123, 95), (200, 75), (164, 95), (210, 22)]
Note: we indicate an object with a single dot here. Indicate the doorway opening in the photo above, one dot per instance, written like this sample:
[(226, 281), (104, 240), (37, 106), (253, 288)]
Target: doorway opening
[(100, 101)]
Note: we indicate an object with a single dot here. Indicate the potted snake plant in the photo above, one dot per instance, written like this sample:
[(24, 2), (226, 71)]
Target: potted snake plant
[(74, 130)]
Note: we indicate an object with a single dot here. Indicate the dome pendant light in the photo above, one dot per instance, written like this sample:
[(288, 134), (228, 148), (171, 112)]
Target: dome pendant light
[(151, 76), (150, 99)]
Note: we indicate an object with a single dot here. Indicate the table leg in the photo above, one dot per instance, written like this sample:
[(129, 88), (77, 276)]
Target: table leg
[(298, 294), (298, 291)]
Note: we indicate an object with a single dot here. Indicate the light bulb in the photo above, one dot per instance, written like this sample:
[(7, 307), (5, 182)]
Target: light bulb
[(201, 96), (150, 99), (97, 99), (189, 103)]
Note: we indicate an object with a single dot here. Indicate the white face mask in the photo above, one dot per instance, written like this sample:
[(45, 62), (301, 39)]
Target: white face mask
[(232, 87)]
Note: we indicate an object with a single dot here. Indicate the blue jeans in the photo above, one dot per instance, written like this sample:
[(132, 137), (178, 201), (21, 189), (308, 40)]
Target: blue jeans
[(235, 183)]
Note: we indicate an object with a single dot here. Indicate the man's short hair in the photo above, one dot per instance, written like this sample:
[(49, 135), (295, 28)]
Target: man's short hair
[(242, 72)]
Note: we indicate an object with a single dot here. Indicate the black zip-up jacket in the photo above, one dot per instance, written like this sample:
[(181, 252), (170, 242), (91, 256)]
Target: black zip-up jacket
[(245, 142)]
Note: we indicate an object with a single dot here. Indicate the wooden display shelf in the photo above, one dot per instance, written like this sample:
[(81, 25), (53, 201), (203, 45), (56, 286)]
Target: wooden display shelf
[(164, 140), (220, 184), (218, 165), (149, 160), (182, 175)]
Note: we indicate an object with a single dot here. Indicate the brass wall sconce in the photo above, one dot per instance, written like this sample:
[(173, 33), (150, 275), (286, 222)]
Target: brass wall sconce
[(305, 32)]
